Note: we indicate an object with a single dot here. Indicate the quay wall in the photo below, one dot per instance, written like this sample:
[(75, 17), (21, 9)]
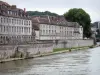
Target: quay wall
[(72, 43), (29, 50)]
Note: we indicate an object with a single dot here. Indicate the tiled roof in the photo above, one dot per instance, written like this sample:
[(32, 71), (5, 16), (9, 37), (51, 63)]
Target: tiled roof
[(1, 3), (5, 7), (35, 26), (36, 20)]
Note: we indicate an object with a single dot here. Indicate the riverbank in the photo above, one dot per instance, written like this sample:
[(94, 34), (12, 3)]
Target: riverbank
[(55, 51)]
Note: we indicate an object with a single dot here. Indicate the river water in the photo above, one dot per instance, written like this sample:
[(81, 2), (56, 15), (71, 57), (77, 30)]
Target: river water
[(83, 62)]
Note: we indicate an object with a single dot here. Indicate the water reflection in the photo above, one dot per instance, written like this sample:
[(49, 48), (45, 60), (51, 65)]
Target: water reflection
[(84, 62)]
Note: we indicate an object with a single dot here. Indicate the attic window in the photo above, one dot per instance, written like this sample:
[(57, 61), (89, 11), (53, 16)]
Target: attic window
[(8, 12), (0, 6)]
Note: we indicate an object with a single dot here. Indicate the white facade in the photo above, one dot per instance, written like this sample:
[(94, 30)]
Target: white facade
[(15, 29), (59, 32), (15, 26)]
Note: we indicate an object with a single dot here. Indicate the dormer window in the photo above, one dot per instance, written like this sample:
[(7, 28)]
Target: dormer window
[(11, 12), (16, 13), (21, 14), (1, 20), (0, 6), (8, 12)]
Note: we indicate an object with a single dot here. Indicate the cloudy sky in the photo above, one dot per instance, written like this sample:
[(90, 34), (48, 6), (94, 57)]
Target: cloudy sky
[(60, 6)]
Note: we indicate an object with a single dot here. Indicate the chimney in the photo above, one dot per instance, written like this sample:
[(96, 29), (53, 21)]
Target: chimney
[(49, 19), (25, 10), (13, 6)]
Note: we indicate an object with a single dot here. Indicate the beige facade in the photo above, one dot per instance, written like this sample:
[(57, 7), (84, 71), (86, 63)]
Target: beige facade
[(53, 28), (59, 32)]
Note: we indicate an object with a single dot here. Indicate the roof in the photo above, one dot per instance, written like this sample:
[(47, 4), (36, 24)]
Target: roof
[(52, 20), (20, 12), (1, 3)]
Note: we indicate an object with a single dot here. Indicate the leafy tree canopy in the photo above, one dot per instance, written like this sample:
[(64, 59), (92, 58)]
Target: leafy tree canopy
[(37, 13), (80, 16)]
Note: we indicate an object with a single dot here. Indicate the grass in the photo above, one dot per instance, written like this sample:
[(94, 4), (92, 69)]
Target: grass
[(91, 46), (62, 49)]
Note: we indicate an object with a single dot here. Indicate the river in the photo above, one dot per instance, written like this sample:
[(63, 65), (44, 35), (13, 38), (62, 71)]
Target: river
[(83, 62)]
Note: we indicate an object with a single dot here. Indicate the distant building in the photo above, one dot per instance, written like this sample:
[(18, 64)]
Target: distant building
[(15, 25), (56, 28), (96, 27), (96, 30)]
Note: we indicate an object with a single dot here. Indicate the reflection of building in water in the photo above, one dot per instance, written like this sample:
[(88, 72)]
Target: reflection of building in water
[(15, 24)]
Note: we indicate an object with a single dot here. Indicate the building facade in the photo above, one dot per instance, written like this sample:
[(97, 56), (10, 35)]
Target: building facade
[(56, 28), (96, 27), (15, 25)]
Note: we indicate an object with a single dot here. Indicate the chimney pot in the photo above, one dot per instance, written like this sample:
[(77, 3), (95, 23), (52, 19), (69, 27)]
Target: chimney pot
[(13, 6)]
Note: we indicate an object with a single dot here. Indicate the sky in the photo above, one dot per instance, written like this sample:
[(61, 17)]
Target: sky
[(92, 7)]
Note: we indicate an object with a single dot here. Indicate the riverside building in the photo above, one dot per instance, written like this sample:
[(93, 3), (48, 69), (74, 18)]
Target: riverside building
[(15, 25), (56, 28)]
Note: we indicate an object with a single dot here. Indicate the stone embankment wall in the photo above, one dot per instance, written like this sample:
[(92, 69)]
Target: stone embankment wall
[(73, 43), (29, 50), (24, 51)]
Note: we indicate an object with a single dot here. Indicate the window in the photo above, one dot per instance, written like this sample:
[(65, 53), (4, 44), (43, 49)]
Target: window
[(22, 22), (49, 31), (60, 27), (17, 21), (22, 29), (43, 31), (4, 20), (17, 29), (1, 19), (11, 12), (8, 12), (12, 21), (9, 20), (52, 31), (7, 29), (4, 28), (12, 29), (29, 22), (29, 30), (0, 28)]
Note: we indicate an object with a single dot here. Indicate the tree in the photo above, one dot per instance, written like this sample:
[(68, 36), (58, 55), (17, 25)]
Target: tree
[(80, 16), (37, 13)]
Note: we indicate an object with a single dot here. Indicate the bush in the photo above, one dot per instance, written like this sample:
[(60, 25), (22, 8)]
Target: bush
[(59, 49), (91, 46)]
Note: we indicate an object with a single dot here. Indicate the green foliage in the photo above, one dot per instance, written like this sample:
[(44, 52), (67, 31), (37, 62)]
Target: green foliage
[(91, 46), (59, 49), (80, 16), (37, 13), (71, 49)]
